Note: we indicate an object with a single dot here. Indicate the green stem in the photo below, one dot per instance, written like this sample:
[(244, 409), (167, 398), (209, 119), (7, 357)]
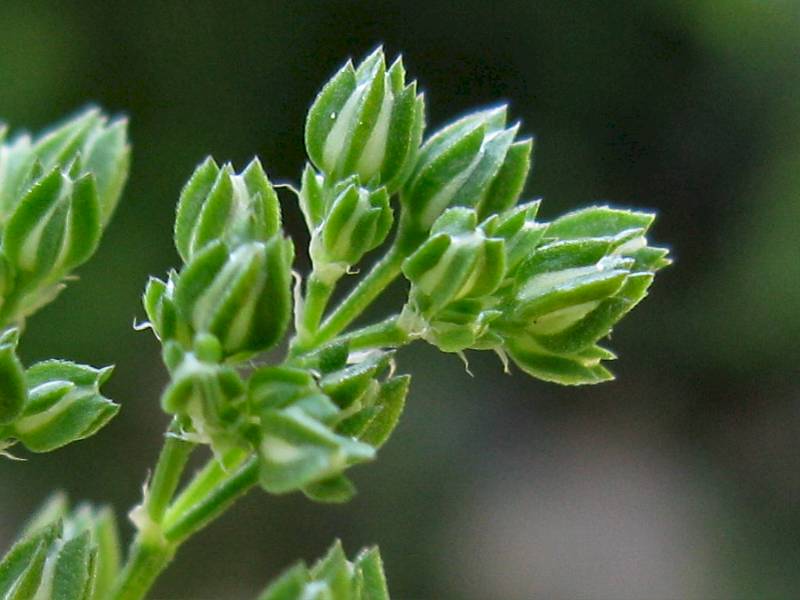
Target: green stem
[(167, 474), (150, 552), (318, 293), (214, 504), (203, 482), (369, 288), (153, 548)]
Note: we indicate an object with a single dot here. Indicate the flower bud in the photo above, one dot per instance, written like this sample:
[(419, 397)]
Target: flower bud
[(218, 204), (64, 405), (210, 396), (240, 295), (55, 227), (473, 162), (453, 275), (595, 267), (63, 554), (356, 220), (333, 577), (367, 122), (85, 144)]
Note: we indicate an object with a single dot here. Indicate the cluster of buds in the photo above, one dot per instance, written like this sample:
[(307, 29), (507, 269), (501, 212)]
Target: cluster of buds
[(333, 577), (63, 554), (235, 283), (541, 294), (50, 404), (57, 193), (231, 301)]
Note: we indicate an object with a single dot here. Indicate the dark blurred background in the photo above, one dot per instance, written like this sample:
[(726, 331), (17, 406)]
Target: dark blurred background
[(679, 480)]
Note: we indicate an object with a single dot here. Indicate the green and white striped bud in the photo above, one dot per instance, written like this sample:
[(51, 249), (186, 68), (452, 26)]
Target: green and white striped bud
[(473, 162), (453, 276), (209, 396), (594, 267), (87, 143), (333, 577), (63, 554), (240, 294), (54, 228), (218, 204), (64, 405), (367, 122), (356, 220), (312, 430)]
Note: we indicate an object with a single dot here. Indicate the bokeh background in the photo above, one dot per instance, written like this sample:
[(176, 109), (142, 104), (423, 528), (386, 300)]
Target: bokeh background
[(679, 480)]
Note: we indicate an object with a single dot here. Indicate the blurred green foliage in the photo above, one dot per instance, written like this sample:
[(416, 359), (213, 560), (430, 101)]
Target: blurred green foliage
[(687, 108)]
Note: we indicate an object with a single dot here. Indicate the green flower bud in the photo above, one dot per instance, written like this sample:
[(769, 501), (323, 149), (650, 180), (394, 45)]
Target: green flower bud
[(356, 220), (473, 162), (594, 268), (13, 392), (240, 294), (367, 122), (64, 405), (63, 554), (87, 143), (333, 577), (453, 275), (218, 204), (211, 397), (55, 227)]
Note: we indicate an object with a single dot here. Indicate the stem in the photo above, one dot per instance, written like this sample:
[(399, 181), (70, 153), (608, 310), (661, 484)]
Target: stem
[(152, 550), (318, 293), (167, 475), (385, 334), (150, 553), (203, 482), (214, 504), (369, 288)]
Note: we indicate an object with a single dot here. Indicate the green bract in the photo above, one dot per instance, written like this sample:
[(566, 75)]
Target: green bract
[(366, 121)]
